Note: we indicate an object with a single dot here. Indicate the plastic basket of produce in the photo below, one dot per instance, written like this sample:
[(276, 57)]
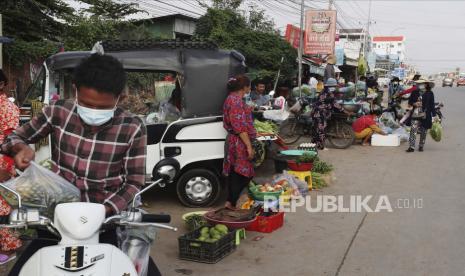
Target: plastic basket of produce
[(267, 224), (260, 192), (207, 244)]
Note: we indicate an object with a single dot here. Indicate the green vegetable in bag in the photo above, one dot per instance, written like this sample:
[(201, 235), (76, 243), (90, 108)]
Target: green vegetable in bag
[(436, 131)]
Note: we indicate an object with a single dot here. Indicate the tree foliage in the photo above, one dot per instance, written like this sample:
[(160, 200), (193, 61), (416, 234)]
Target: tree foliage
[(109, 9), (39, 27), (254, 36)]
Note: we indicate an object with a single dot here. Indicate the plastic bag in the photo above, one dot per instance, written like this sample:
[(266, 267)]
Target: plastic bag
[(276, 115), (436, 132), (388, 120), (136, 244), (294, 182), (41, 188), (402, 133)]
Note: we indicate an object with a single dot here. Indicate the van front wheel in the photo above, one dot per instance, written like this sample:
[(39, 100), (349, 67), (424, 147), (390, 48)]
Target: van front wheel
[(198, 188)]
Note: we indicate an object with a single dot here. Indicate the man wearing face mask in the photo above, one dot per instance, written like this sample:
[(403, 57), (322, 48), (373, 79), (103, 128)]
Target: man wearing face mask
[(97, 146)]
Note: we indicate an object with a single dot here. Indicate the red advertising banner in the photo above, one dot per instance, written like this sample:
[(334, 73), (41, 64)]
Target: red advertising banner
[(293, 35), (320, 32)]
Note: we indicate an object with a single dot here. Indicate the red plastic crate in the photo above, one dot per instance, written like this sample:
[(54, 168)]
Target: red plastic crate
[(267, 224)]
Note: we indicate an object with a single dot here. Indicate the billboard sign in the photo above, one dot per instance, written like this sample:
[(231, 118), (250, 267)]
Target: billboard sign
[(293, 35), (320, 32)]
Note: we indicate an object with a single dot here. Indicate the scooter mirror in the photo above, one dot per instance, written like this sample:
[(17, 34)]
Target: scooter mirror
[(167, 172)]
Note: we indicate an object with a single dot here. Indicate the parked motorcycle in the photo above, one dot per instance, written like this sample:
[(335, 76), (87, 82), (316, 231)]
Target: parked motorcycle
[(397, 106), (79, 224), (339, 132)]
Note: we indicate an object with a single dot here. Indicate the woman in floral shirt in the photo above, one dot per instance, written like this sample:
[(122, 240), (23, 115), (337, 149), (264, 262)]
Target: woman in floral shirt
[(238, 122), (9, 121)]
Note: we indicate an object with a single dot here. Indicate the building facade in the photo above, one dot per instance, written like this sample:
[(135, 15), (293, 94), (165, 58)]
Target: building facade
[(391, 47), (171, 26)]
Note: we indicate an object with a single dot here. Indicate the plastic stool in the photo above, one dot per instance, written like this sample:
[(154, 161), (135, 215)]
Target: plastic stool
[(304, 176)]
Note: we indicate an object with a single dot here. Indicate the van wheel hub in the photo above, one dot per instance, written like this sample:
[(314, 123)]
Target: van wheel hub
[(198, 188)]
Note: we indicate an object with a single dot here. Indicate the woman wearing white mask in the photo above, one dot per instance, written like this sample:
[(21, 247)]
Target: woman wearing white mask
[(322, 111), (422, 114)]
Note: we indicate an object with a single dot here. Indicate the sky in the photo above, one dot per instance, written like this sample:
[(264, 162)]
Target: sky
[(434, 30)]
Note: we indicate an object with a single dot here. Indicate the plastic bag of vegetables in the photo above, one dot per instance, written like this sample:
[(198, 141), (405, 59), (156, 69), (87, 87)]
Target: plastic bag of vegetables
[(436, 131), (41, 188)]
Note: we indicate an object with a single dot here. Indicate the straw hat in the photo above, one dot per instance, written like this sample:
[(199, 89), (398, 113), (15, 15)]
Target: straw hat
[(331, 59), (423, 81)]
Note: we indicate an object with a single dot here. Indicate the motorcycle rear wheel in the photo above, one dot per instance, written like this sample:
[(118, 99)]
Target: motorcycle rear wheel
[(340, 135), (290, 131)]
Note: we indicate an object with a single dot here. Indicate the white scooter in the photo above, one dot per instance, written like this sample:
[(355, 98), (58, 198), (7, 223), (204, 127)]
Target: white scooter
[(79, 252)]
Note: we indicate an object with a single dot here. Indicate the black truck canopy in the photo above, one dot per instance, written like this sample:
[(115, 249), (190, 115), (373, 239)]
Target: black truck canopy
[(205, 70)]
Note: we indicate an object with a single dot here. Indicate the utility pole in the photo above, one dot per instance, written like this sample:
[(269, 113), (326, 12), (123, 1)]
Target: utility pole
[(301, 45), (365, 45)]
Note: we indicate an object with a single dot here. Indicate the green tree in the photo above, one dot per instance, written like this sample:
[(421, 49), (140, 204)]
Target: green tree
[(35, 25), (40, 26), (109, 9), (254, 36)]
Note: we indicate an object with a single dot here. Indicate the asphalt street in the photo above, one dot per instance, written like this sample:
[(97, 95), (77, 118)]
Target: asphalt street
[(423, 235)]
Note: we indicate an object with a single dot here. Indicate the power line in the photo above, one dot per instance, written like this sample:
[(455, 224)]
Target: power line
[(168, 4)]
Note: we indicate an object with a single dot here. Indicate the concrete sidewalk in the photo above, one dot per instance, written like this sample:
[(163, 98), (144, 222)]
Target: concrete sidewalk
[(408, 241)]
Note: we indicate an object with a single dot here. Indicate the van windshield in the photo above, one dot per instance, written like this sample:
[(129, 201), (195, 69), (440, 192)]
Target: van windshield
[(153, 95)]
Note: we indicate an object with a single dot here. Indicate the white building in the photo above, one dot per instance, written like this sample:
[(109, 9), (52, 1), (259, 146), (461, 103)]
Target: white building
[(392, 46)]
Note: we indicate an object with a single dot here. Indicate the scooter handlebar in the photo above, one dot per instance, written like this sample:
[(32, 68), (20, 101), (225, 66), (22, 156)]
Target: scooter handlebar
[(156, 218)]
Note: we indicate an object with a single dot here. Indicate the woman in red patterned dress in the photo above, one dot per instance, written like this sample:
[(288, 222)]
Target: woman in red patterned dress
[(238, 122), (9, 121)]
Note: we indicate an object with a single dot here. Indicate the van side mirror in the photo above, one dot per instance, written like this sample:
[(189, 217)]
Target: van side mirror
[(167, 172)]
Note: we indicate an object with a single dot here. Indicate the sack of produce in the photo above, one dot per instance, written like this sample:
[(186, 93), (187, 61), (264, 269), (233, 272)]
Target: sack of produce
[(436, 131), (41, 188)]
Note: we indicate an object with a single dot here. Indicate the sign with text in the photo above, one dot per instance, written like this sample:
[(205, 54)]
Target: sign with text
[(293, 35), (320, 32)]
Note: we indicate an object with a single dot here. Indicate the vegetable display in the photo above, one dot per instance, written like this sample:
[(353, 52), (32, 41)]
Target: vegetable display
[(212, 234), (307, 157), (317, 181), (321, 167), (266, 127), (259, 192), (195, 221)]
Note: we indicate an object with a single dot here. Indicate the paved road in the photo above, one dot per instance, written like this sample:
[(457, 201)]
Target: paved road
[(407, 241)]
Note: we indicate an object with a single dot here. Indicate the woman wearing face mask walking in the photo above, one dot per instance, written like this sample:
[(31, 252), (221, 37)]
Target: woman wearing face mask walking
[(238, 122), (421, 118), (322, 111)]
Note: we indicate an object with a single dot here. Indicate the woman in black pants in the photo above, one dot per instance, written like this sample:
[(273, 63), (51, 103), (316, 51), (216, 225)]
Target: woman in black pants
[(421, 118), (238, 122)]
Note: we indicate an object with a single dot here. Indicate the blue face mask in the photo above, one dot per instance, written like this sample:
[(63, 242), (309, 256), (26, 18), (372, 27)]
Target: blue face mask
[(95, 117)]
